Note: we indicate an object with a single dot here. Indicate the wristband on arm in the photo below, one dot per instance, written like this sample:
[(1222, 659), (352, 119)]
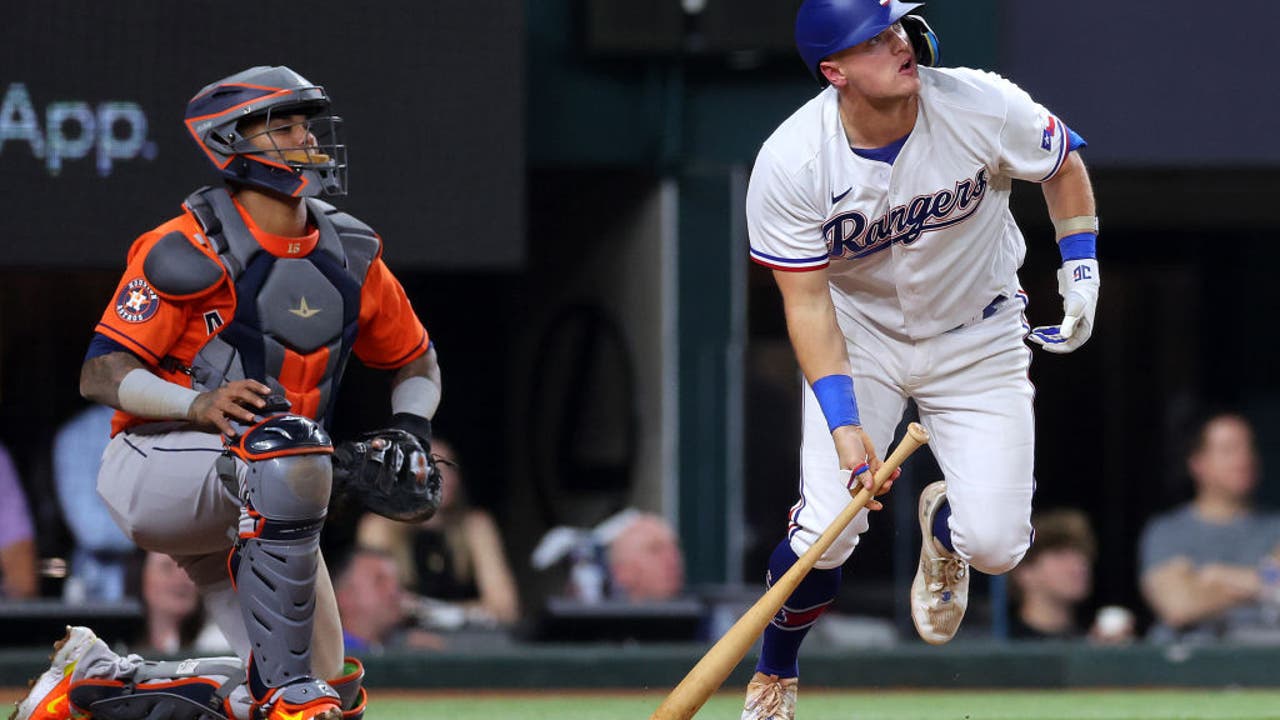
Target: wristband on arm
[(835, 397), (143, 394), (417, 395), (1080, 246), (1077, 237)]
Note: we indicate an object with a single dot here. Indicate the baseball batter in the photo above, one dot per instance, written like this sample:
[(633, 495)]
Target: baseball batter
[(222, 350), (882, 207)]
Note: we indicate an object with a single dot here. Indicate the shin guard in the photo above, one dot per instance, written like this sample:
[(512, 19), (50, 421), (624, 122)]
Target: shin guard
[(273, 566)]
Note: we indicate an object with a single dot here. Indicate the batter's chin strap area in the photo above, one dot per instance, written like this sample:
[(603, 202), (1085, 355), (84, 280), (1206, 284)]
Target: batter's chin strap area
[(273, 565)]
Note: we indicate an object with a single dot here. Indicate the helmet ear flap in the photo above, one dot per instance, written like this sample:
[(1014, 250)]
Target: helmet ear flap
[(923, 40)]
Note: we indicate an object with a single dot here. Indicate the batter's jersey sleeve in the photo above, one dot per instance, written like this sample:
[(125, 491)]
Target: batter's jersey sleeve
[(390, 334), (784, 227), (1033, 141)]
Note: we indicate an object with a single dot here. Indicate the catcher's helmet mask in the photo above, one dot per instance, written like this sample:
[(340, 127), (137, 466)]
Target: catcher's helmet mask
[(216, 115)]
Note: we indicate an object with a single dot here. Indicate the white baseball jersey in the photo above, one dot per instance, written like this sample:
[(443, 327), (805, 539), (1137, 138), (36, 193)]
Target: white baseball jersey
[(923, 245)]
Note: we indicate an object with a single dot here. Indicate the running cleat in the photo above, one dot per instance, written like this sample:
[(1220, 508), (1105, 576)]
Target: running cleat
[(940, 591), (770, 698)]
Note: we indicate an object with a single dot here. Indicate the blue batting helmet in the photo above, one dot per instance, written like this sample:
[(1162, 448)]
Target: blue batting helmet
[(825, 27)]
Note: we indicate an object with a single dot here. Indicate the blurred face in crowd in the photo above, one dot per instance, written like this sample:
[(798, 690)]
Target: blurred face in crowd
[(370, 599), (882, 68), (1226, 463), (166, 588), (1061, 574), (451, 482), (645, 560)]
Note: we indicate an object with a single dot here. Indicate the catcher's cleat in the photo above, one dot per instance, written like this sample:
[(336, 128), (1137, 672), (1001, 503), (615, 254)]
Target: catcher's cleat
[(48, 697), (770, 697), (940, 591), (305, 700)]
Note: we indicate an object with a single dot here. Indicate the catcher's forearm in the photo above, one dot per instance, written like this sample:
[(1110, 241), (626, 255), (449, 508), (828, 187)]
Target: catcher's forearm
[(100, 376)]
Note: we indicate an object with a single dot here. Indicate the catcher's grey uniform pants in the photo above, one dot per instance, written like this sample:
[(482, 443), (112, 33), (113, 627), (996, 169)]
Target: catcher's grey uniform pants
[(975, 399), (164, 491)]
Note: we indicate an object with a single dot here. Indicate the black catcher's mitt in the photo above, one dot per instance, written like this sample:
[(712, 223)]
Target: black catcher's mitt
[(390, 471)]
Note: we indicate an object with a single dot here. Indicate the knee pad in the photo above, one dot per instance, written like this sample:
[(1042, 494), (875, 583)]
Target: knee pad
[(274, 562)]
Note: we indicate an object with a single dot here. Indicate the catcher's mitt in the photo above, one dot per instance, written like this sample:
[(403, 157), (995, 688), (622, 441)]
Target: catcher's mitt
[(390, 471)]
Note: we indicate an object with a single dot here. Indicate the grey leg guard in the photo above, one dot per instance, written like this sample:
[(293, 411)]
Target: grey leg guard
[(274, 562), (188, 690)]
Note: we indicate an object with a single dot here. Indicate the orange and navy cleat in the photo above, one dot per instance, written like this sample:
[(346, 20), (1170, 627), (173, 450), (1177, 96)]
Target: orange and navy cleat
[(48, 697), (304, 700)]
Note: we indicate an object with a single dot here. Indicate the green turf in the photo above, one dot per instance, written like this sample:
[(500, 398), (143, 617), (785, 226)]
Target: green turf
[(896, 705)]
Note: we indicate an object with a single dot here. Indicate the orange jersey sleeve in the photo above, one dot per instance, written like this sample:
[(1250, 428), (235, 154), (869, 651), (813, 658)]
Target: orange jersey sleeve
[(155, 327), (137, 316), (390, 334)]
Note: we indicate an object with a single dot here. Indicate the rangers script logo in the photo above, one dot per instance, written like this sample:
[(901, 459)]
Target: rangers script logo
[(137, 302), (851, 235)]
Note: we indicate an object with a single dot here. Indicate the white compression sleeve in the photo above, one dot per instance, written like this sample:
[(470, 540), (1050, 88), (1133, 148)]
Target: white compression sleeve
[(416, 395), (143, 394)]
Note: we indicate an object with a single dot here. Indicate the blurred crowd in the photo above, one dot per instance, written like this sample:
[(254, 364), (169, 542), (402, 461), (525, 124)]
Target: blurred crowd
[(1209, 568)]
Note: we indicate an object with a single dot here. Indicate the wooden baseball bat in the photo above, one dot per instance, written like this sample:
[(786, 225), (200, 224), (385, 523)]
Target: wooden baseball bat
[(710, 672)]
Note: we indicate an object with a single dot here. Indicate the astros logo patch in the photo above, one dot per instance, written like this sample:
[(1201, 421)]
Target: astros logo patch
[(137, 302)]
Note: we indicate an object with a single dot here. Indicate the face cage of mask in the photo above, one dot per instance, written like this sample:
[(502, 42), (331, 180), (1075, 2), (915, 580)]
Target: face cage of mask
[(326, 159)]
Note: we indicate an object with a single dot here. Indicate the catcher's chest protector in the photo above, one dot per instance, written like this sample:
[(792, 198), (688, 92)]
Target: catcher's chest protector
[(296, 318)]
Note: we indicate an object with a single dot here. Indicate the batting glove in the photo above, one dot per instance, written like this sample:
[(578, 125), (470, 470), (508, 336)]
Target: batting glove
[(1078, 284)]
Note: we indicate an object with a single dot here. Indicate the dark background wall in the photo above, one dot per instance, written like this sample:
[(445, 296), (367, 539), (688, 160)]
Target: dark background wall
[(431, 94)]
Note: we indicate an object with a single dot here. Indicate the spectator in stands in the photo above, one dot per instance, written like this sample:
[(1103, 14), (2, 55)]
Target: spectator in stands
[(101, 556), (1054, 577), (1208, 568), (17, 536), (373, 605), (456, 556), (175, 617), (645, 561)]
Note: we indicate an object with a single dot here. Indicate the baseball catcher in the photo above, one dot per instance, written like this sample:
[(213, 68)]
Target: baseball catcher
[(222, 350)]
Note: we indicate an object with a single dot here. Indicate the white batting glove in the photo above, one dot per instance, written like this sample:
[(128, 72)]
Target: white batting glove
[(1078, 284)]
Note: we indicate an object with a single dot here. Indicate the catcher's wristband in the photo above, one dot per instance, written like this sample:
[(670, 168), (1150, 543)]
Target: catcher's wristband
[(143, 394), (417, 395), (835, 397)]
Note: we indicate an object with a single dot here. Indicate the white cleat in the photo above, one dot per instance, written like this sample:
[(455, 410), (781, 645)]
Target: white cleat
[(940, 591), (770, 698), (47, 698)]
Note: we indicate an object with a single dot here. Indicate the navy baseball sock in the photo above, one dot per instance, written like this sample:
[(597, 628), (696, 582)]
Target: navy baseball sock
[(781, 646), (941, 529)]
